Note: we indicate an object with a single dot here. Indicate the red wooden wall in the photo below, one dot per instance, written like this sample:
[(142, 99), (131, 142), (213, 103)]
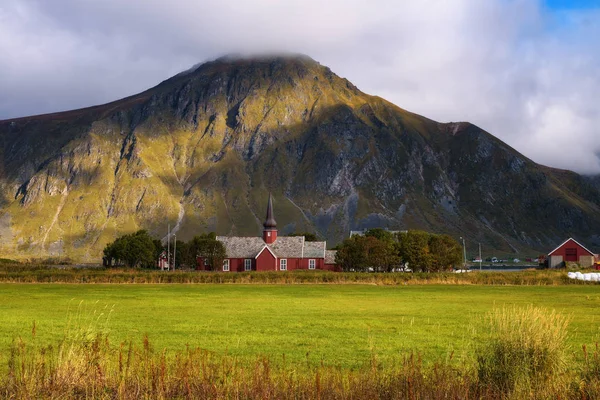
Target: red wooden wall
[(570, 251)]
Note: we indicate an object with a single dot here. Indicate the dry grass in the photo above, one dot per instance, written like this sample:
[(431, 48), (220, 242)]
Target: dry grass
[(525, 353), (42, 274), (524, 358)]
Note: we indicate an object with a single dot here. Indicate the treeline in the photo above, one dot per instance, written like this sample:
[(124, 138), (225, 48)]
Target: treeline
[(140, 250), (382, 251)]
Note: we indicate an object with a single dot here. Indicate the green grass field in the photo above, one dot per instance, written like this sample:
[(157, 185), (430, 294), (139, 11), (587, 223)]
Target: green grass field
[(339, 324)]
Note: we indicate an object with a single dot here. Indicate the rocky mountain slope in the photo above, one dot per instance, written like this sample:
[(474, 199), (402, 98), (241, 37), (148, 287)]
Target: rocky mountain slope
[(202, 150)]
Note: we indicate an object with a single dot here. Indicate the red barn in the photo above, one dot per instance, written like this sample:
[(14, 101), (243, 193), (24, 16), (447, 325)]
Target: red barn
[(570, 251), (273, 253)]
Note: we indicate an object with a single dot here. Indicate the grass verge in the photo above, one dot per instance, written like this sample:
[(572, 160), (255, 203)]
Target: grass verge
[(89, 366), (44, 274)]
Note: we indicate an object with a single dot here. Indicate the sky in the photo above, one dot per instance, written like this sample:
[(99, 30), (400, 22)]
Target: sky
[(527, 71)]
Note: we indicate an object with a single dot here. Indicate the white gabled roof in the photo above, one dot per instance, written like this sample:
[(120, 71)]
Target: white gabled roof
[(563, 243), (261, 250)]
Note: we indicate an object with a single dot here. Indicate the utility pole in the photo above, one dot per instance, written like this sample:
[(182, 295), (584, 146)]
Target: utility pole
[(174, 250), (168, 246), (464, 252), (480, 260)]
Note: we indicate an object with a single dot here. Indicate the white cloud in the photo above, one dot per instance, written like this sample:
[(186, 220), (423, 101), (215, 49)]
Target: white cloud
[(525, 74)]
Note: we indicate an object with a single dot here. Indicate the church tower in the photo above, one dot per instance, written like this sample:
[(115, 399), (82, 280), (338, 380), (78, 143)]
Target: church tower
[(270, 226)]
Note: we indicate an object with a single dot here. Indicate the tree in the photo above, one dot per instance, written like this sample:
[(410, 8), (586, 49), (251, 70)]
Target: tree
[(382, 254), (137, 249), (360, 253), (414, 250), (381, 234), (446, 252), (158, 248), (208, 247), (351, 254), (181, 254)]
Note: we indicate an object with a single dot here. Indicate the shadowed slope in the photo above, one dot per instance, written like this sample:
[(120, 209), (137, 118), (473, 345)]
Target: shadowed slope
[(203, 149)]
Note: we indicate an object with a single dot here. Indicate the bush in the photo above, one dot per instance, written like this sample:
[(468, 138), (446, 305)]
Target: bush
[(525, 352), (137, 249)]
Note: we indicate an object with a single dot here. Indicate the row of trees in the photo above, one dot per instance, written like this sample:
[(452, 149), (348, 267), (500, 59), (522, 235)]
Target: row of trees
[(378, 250), (139, 249), (381, 250)]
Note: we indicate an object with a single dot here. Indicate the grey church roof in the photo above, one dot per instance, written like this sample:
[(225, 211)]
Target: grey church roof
[(241, 247), (283, 247), (288, 246), (314, 249)]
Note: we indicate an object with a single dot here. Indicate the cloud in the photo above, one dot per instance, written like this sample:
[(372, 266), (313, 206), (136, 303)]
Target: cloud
[(525, 73)]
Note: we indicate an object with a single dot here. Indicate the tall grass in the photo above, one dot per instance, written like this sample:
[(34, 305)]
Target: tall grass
[(85, 364), (525, 352), (42, 274)]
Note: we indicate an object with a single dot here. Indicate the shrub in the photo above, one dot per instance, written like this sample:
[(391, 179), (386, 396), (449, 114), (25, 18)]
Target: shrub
[(591, 373), (525, 351)]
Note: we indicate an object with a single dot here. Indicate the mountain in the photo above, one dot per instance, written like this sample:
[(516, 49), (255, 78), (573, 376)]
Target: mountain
[(202, 150)]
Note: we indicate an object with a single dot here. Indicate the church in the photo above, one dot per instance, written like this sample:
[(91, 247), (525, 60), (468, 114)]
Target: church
[(272, 252)]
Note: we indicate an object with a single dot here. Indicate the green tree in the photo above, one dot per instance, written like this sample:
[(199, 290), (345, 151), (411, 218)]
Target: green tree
[(158, 248), (181, 255), (414, 250), (446, 252), (134, 250), (381, 234), (352, 255), (382, 254), (359, 253), (208, 247)]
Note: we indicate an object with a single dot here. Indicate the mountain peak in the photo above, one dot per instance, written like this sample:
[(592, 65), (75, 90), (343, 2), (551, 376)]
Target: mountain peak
[(264, 57), (238, 59), (202, 150)]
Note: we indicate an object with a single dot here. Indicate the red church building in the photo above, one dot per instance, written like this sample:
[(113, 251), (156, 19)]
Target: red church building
[(273, 252)]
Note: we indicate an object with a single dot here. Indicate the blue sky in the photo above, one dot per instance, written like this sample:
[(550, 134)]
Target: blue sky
[(572, 4)]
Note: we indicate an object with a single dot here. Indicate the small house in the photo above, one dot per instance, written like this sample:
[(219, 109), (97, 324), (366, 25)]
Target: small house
[(571, 251)]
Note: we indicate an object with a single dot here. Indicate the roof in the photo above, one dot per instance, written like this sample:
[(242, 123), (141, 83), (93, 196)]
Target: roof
[(287, 246), (314, 249), (241, 247), (249, 247), (566, 241), (330, 256), (283, 247)]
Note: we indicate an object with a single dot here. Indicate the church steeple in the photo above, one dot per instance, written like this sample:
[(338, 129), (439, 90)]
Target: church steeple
[(270, 225)]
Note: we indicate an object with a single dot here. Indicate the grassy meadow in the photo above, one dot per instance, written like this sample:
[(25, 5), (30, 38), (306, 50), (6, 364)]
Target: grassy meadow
[(336, 325)]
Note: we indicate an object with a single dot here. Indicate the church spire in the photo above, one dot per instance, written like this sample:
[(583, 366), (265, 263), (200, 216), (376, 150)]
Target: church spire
[(270, 220), (270, 225)]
